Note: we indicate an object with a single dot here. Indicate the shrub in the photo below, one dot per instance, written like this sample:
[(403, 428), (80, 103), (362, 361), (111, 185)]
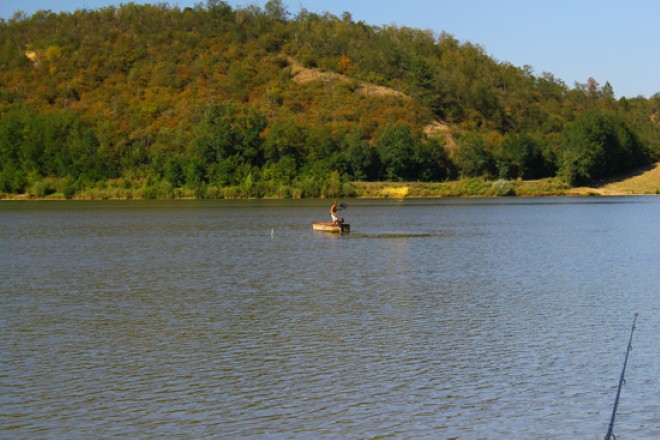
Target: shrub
[(149, 192), (348, 190), (503, 188), (39, 189), (69, 188), (231, 192), (308, 187), (310, 61), (211, 192), (165, 190)]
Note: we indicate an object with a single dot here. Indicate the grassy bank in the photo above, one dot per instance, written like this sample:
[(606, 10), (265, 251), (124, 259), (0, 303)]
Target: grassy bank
[(461, 188), (643, 181), (55, 189)]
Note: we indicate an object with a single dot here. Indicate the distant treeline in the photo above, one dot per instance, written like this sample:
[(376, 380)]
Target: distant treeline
[(206, 99)]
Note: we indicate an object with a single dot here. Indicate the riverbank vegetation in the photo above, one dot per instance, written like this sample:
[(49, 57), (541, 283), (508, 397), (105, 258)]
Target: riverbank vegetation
[(644, 182), (155, 101)]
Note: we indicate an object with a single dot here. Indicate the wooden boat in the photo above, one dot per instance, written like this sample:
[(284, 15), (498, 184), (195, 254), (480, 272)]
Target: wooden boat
[(331, 227)]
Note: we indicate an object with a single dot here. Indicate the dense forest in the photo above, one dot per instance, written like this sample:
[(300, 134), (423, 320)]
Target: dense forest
[(211, 102)]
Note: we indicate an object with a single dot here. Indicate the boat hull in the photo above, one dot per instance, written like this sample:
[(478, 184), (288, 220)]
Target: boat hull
[(331, 227)]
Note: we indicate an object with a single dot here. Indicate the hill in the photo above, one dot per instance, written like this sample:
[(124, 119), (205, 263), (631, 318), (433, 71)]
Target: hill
[(210, 101)]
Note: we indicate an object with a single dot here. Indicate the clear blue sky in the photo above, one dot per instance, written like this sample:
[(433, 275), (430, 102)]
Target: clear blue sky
[(610, 40)]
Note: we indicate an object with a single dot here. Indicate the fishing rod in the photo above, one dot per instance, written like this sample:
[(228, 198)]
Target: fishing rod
[(609, 434)]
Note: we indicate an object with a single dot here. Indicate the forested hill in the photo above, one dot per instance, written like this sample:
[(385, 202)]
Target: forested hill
[(226, 102)]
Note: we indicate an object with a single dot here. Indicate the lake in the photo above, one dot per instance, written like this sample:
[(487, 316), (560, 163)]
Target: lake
[(452, 318)]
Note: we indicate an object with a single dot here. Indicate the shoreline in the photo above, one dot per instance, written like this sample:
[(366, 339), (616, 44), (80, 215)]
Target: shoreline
[(396, 191), (641, 182)]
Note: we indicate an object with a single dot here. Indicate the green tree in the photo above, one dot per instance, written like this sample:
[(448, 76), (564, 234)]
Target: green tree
[(360, 157), (432, 163), (473, 158), (597, 145), (248, 133), (520, 157), (395, 147), (174, 171), (284, 139), (215, 138), (276, 9)]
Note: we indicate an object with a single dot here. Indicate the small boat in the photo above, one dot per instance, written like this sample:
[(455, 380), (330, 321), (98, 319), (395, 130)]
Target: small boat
[(331, 227)]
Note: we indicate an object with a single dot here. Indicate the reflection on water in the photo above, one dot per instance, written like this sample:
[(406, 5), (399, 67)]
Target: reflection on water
[(431, 319)]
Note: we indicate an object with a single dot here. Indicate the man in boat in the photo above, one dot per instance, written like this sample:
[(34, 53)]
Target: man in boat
[(333, 212)]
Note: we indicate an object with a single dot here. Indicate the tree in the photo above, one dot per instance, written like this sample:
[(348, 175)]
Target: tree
[(284, 139), (422, 83), (276, 9), (360, 157), (174, 172), (473, 158), (216, 139), (520, 157), (344, 63), (597, 145), (608, 91), (248, 132), (432, 162), (395, 148)]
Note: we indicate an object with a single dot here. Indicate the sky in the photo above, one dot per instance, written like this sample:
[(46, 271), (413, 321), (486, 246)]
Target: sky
[(615, 41)]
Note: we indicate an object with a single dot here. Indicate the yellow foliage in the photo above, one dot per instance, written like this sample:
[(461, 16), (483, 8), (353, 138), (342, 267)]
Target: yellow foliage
[(53, 53), (395, 192)]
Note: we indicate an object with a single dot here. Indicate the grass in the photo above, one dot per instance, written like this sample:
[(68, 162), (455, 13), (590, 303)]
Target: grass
[(475, 187), (643, 181)]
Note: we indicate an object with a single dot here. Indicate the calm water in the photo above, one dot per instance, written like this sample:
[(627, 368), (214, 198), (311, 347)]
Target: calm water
[(504, 318)]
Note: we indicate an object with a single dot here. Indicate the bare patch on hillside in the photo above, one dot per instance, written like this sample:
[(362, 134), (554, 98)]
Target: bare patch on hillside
[(302, 74), (32, 56), (442, 129)]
